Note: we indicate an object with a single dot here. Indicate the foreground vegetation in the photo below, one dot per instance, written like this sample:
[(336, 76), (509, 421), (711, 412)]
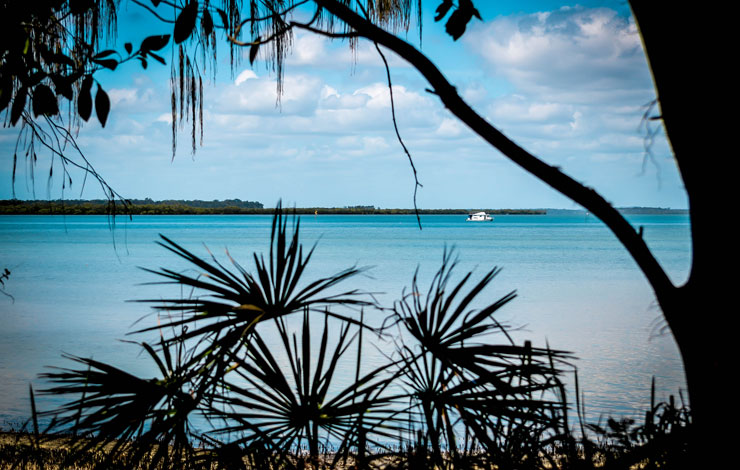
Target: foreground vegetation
[(658, 443), (249, 378)]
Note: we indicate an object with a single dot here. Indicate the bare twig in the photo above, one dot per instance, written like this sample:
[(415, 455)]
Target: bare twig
[(648, 140), (417, 184)]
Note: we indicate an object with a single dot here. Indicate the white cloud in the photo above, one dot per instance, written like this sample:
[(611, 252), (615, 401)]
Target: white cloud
[(578, 80), (449, 128), (571, 51), (244, 76), (134, 99)]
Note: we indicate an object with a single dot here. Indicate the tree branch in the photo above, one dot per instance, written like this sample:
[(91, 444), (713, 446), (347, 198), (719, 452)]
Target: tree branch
[(581, 194)]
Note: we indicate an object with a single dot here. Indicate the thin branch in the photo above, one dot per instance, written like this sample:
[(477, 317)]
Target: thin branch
[(417, 184), (649, 138), (271, 37), (322, 32), (272, 15), (42, 136), (5, 275), (581, 194)]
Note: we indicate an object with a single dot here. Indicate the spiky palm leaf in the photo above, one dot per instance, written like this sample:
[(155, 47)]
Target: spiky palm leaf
[(455, 375), (147, 421), (221, 318), (229, 304), (271, 408)]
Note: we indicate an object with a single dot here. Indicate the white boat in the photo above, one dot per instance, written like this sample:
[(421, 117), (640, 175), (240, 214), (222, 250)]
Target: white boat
[(479, 217)]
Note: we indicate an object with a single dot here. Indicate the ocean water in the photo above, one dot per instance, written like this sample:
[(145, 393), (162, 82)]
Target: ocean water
[(72, 280)]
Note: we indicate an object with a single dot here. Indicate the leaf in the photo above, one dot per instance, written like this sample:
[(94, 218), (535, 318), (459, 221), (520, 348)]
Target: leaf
[(63, 86), (129, 47), (224, 17), (253, 51), (154, 43), (207, 23), (84, 99), (44, 101), (460, 18), (143, 62), (185, 23), (442, 9), (107, 63), (18, 104), (157, 58), (102, 105)]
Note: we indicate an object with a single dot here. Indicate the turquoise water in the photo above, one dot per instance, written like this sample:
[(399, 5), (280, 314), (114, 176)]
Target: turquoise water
[(577, 288)]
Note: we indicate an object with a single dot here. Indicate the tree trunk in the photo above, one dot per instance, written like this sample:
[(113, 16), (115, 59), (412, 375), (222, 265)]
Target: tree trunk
[(708, 367), (691, 86)]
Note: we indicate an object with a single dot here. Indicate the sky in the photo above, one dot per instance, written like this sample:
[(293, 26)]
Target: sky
[(567, 81)]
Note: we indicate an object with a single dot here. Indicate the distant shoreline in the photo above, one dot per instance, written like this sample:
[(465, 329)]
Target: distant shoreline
[(238, 207)]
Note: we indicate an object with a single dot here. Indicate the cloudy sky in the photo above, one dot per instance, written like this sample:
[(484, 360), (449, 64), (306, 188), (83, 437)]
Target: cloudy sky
[(567, 81)]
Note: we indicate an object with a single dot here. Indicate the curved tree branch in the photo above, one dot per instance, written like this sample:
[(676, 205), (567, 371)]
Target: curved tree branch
[(583, 195)]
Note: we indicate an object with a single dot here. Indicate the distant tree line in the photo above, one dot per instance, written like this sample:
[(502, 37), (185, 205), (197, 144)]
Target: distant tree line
[(132, 206), (651, 210), (228, 206), (236, 206)]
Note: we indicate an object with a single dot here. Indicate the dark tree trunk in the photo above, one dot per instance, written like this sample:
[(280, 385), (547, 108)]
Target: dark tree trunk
[(684, 49)]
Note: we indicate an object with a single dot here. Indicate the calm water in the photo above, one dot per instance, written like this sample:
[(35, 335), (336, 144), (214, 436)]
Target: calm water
[(577, 288)]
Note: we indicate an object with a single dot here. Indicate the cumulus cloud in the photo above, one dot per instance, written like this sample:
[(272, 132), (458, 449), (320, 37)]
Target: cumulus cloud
[(571, 51), (578, 80), (139, 99), (252, 94)]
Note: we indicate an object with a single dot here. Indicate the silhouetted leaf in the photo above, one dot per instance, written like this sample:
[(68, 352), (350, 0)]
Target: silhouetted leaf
[(18, 104), (224, 17), (156, 2), (155, 43), (157, 58), (128, 47), (143, 62), (84, 99), (207, 23), (107, 63), (460, 18), (102, 105), (62, 86), (442, 9), (253, 51), (185, 23), (44, 101)]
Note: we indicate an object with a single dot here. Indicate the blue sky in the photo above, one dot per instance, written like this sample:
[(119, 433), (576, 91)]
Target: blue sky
[(567, 81)]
